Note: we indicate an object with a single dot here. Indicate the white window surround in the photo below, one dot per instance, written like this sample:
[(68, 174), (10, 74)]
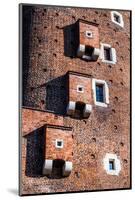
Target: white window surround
[(121, 23), (112, 54), (80, 86), (89, 34), (56, 143), (108, 157), (106, 92)]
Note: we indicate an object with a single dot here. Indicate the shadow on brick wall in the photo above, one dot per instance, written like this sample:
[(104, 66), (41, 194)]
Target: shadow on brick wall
[(70, 40), (56, 95), (35, 156), (35, 152), (26, 28)]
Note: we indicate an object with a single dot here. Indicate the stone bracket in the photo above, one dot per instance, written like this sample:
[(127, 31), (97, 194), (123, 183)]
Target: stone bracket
[(67, 168)]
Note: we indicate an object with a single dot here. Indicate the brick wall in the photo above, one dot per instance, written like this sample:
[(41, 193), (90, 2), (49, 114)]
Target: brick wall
[(33, 119), (76, 80), (66, 153), (94, 41), (50, 55)]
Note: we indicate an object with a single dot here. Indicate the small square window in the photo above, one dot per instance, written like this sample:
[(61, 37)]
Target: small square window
[(59, 144), (80, 88), (89, 34), (112, 164), (100, 93)]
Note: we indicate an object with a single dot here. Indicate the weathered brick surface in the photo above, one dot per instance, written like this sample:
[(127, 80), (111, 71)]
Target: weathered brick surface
[(86, 82), (33, 119), (52, 153), (48, 53), (94, 41)]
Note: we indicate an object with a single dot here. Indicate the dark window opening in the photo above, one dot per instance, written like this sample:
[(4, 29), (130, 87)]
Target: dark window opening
[(59, 143), (79, 108), (100, 93), (107, 54), (88, 50), (57, 168), (89, 34), (117, 18), (111, 164), (80, 89)]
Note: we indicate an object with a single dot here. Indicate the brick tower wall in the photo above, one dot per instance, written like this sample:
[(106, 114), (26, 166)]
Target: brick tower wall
[(48, 54)]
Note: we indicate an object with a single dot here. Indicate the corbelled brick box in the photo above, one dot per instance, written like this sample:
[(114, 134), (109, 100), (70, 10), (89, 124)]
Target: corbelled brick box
[(75, 132)]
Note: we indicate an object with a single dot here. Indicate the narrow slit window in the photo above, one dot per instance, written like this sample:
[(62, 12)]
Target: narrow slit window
[(100, 93)]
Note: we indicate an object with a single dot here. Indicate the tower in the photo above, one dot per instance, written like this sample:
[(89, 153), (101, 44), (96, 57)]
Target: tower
[(76, 99)]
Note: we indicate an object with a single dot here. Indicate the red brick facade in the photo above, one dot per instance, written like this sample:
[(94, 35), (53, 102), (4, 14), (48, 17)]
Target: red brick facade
[(50, 45), (83, 27), (80, 80), (54, 133)]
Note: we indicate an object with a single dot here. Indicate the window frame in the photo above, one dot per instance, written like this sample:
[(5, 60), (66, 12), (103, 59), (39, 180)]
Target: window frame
[(112, 54), (117, 165), (80, 86), (121, 23), (106, 92), (89, 36), (56, 143)]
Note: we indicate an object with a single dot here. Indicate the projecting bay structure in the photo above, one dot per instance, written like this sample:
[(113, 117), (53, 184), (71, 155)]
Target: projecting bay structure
[(76, 99)]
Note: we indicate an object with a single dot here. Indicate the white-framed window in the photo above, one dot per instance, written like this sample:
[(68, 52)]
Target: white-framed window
[(89, 34), (100, 92), (117, 18), (112, 164), (59, 143), (80, 88), (108, 54)]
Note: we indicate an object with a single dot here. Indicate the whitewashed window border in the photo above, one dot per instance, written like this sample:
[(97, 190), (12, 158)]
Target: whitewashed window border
[(121, 24), (56, 143), (106, 92), (89, 36), (80, 86), (107, 158), (112, 51)]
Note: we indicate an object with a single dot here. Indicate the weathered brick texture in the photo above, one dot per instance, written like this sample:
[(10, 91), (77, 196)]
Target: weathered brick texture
[(33, 119), (75, 80), (49, 52), (94, 41), (66, 153)]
